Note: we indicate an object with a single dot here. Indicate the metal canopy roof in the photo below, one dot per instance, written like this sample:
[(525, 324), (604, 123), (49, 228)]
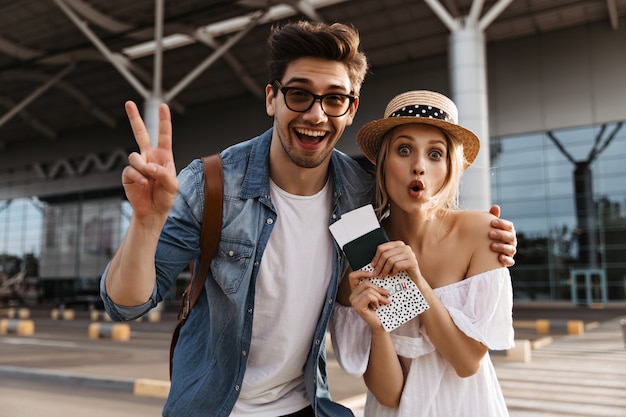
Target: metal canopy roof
[(70, 64)]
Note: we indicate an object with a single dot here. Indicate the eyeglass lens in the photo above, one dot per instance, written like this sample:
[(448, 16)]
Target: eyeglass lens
[(302, 100), (299, 100)]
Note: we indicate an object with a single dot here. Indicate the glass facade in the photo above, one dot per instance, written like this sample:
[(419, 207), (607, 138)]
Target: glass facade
[(565, 192), (55, 249), (21, 222)]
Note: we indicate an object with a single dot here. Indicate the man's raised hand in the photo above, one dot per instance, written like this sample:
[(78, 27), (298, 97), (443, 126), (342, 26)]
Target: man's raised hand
[(150, 180)]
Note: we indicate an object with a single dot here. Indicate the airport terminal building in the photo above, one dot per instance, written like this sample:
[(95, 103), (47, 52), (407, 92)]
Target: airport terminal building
[(542, 83)]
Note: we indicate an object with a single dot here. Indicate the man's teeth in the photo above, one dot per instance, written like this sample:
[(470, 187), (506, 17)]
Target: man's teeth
[(313, 133)]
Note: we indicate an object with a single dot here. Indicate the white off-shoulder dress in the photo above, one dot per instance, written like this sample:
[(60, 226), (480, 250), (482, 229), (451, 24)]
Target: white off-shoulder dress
[(481, 307)]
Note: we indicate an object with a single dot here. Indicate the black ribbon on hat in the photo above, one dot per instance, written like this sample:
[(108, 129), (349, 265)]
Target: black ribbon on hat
[(420, 110)]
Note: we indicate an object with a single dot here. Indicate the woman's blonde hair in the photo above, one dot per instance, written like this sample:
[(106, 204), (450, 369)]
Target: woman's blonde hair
[(447, 198)]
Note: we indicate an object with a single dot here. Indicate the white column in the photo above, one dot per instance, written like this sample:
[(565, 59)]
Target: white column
[(468, 79), (152, 102), (151, 118)]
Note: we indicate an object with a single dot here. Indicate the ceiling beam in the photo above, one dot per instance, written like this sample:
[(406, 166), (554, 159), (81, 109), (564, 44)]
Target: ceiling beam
[(65, 87), (113, 59), (97, 17), (31, 120), (493, 13), (446, 18), (39, 91), (17, 51), (254, 20), (613, 16), (241, 72)]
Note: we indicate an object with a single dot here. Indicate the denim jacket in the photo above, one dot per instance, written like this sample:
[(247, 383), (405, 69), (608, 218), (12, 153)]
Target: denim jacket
[(212, 350)]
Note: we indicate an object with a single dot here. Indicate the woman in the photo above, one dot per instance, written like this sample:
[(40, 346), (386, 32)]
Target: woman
[(436, 364)]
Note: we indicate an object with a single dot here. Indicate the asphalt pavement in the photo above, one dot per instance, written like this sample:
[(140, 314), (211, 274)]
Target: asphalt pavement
[(63, 352)]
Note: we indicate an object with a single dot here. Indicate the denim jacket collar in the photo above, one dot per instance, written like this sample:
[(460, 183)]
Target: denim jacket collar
[(256, 180)]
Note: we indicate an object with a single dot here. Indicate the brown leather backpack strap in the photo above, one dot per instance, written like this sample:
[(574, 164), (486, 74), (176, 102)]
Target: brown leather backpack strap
[(209, 240), (211, 218), (211, 225)]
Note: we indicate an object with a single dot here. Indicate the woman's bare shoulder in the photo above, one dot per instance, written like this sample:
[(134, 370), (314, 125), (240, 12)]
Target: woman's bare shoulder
[(474, 221), (474, 227)]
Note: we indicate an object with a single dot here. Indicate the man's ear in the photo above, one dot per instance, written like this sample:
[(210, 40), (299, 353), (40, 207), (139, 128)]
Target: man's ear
[(352, 112), (269, 100)]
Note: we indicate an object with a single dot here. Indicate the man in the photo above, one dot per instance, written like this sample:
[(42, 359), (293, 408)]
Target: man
[(254, 343)]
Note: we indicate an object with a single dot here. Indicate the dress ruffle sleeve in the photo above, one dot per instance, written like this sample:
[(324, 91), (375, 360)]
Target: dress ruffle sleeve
[(481, 307), (351, 337)]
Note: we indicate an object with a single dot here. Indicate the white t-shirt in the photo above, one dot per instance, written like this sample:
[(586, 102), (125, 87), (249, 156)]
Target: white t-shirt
[(290, 293)]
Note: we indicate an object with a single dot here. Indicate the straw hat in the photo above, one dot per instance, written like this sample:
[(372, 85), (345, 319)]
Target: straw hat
[(420, 106)]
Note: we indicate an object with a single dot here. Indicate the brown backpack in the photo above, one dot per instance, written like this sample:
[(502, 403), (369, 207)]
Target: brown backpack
[(209, 240)]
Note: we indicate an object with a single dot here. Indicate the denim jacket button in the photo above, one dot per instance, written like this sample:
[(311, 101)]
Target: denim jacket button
[(236, 387), (270, 221)]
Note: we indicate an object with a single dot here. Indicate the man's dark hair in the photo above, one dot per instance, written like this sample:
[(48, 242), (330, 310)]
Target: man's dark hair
[(335, 42)]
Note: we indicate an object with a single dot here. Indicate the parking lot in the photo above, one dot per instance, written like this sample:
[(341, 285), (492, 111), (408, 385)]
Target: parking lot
[(582, 374)]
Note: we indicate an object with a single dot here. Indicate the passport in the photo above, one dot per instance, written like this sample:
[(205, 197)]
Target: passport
[(359, 234)]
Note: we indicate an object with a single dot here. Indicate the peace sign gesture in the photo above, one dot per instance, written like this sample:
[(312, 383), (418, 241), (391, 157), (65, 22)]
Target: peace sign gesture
[(150, 180)]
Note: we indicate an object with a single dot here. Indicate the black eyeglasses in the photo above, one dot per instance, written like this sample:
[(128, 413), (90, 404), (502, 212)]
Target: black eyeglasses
[(301, 101)]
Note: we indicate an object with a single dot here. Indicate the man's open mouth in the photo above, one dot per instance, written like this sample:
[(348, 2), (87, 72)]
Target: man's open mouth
[(310, 136)]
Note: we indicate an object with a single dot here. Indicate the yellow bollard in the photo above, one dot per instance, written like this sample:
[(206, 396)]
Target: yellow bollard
[(151, 388), (20, 327), (543, 326), (94, 315), (560, 326), (154, 316), (575, 327), (62, 314), (114, 331), (20, 313), (521, 352)]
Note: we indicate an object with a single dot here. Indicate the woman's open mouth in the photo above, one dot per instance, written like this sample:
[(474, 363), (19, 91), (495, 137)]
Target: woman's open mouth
[(415, 187)]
